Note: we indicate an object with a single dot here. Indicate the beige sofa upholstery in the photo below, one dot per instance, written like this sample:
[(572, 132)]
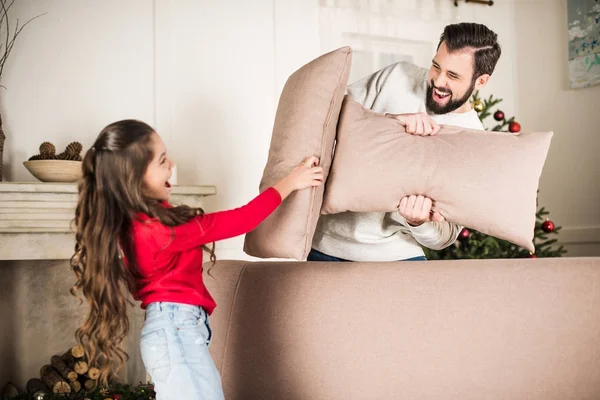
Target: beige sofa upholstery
[(478, 329)]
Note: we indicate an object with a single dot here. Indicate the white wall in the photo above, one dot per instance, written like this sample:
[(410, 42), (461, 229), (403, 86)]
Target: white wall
[(72, 71), (218, 111), (570, 184)]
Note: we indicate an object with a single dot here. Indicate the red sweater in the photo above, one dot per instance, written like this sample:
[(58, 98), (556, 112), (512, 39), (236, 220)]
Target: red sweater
[(169, 259)]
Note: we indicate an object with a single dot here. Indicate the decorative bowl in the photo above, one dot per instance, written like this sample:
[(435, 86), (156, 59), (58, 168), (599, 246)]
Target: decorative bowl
[(54, 170)]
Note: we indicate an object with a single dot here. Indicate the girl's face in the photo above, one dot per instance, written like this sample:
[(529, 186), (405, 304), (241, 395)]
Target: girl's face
[(158, 172)]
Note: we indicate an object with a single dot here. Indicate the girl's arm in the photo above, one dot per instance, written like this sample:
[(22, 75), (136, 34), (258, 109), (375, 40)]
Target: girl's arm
[(222, 225)]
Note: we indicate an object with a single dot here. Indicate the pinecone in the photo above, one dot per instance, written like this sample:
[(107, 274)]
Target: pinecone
[(74, 148), (69, 157), (36, 157), (47, 150)]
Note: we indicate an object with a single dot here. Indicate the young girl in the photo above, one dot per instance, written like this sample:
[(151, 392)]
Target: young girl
[(129, 238)]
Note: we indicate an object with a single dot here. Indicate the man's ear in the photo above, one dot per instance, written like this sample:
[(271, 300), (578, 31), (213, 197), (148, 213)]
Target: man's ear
[(481, 81)]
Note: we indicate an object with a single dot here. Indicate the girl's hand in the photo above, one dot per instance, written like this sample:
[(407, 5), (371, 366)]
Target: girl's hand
[(307, 174)]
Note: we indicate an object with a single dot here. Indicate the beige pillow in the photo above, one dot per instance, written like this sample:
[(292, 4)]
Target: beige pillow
[(480, 179), (305, 125)]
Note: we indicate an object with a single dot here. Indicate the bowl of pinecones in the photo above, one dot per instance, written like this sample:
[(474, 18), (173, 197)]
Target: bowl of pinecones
[(47, 166)]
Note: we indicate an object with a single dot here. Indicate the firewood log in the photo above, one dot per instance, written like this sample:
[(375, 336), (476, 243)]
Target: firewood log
[(93, 373), (46, 369), (77, 365), (35, 386), (63, 369), (81, 367), (75, 386), (78, 351), (54, 381), (90, 384)]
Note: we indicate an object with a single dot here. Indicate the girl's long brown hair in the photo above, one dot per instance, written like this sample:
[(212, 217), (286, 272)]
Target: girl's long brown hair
[(110, 196)]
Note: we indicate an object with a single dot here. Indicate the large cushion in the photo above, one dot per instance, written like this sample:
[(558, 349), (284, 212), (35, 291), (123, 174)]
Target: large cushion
[(480, 179), (305, 125), (446, 330)]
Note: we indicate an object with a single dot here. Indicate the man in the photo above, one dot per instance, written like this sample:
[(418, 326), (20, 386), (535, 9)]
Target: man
[(421, 100)]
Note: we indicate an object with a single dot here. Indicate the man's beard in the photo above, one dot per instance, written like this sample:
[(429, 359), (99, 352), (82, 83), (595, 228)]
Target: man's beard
[(452, 104)]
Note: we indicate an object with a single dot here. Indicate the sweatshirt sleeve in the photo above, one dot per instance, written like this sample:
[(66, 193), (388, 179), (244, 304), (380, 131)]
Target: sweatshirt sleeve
[(435, 235), (216, 226), (366, 90)]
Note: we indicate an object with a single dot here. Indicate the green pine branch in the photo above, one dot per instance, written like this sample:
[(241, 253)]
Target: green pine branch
[(120, 391)]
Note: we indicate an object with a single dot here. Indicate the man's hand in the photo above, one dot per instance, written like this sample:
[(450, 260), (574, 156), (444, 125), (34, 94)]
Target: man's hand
[(417, 209), (417, 124)]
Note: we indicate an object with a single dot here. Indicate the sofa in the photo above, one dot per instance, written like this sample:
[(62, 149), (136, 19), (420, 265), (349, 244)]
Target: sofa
[(468, 329)]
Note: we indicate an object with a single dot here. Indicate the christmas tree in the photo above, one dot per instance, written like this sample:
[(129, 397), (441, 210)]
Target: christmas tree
[(473, 244)]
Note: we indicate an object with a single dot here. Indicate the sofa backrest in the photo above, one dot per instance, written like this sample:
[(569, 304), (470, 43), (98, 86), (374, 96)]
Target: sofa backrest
[(494, 329)]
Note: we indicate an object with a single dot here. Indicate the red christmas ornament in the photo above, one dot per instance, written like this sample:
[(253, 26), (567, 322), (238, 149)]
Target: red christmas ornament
[(498, 115), (532, 255), (548, 226), (514, 127), (116, 396), (464, 234)]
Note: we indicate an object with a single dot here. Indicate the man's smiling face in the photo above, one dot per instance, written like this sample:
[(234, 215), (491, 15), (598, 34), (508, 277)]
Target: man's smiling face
[(451, 82)]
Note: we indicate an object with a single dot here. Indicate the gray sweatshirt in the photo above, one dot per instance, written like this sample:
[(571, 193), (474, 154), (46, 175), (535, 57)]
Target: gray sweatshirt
[(397, 89)]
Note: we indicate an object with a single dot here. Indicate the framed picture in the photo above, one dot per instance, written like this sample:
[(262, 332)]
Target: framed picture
[(584, 43)]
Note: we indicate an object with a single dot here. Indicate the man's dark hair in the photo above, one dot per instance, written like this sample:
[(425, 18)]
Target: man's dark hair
[(478, 37)]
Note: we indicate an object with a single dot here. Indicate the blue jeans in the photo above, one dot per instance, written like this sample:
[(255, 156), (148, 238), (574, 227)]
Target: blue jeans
[(316, 255), (174, 346)]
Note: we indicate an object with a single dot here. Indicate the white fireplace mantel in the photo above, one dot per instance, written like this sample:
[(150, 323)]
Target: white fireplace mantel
[(36, 218)]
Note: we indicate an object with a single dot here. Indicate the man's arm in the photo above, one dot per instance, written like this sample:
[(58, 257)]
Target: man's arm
[(366, 90), (435, 235)]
